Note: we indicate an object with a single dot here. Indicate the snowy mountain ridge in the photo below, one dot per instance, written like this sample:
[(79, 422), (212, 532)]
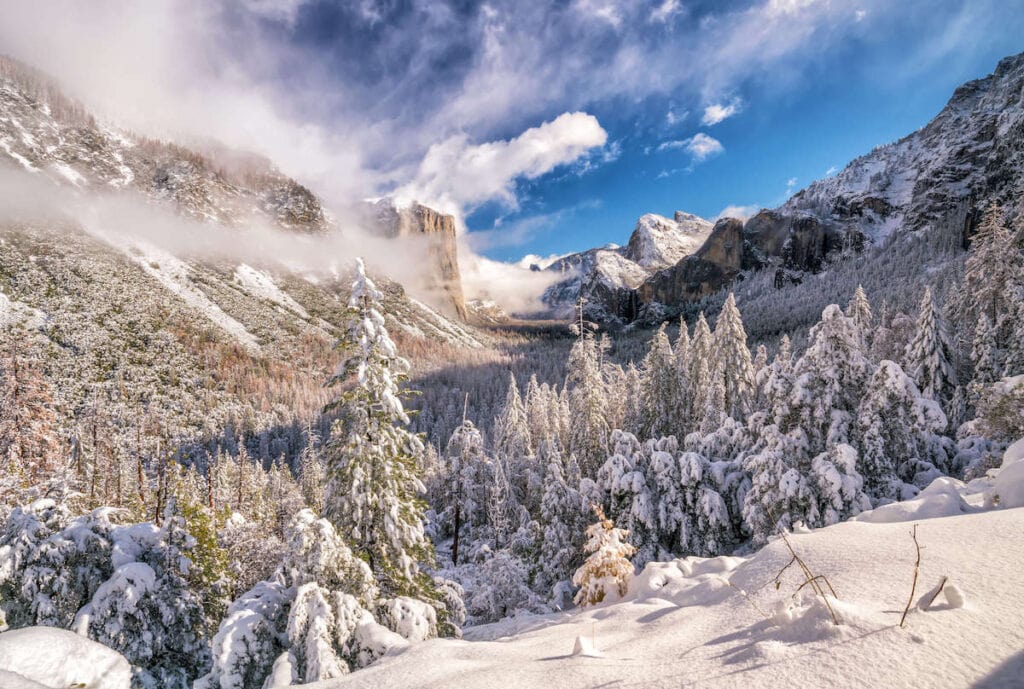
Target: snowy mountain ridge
[(967, 157), (600, 274)]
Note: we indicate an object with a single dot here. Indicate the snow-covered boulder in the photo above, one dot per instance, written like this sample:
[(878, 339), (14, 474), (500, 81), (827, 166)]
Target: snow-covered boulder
[(57, 659), (942, 498)]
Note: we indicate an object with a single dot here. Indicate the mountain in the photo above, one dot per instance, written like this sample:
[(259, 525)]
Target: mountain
[(201, 345), (969, 156), (417, 220), (606, 276)]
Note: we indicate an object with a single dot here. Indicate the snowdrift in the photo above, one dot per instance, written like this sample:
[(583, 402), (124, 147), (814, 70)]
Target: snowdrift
[(49, 658), (723, 622)]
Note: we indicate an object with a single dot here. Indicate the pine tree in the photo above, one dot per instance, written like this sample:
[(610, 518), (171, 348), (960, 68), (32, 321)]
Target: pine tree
[(828, 384), (147, 610), (312, 474), (372, 460), (562, 515), (732, 361), (701, 370), (659, 389), (30, 450), (898, 433), (607, 570), (588, 402), (859, 311), (466, 494), (511, 428), (929, 356), (983, 352), (623, 480)]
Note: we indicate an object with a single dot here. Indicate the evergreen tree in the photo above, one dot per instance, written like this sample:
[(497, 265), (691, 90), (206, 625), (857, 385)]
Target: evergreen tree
[(732, 361), (312, 473), (659, 389), (562, 515), (372, 460), (701, 371), (898, 433), (828, 384), (859, 311), (466, 480), (588, 404), (983, 352), (623, 480), (929, 356), (606, 572)]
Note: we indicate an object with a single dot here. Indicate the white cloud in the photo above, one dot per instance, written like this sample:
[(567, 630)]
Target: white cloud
[(513, 285), (673, 117), (831, 171), (603, 11), (665, 11), (700, 146), (715, 113), (456, 175), (741, 212)]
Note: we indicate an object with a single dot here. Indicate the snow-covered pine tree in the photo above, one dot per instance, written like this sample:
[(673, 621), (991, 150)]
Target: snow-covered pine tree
[(511, 428), (607, 570), (780, 493), (312, 473), (147, 610), (373, 490), (732, 360), (929, 356), (898, 432), (859, 311), (828, 385), (838, 485), (30, 449), (542, 427), (624, 482), (466, 481), (701, 371), (983, 352), (563, 522), (588, 401), (659, 390), (682, 354)]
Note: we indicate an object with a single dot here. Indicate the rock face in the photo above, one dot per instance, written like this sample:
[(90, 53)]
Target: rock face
[(971, 153), (607, 277), (421, 221), (716, 263)]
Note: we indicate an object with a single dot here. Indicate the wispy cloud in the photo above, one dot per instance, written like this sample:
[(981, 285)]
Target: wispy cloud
[(715, 113), (741, 212), (700, 146)]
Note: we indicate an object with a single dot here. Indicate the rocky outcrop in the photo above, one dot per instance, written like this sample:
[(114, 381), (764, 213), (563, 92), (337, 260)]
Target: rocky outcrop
[(715, 264), (607, 277), (438, 228)]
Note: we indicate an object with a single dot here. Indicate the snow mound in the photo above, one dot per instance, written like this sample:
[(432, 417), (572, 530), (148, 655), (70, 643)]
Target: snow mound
[(57, 659), (942, 498), (584, 647), (1008, 487)]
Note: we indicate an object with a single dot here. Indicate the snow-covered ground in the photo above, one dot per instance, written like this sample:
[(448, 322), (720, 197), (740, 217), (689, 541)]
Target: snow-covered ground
[(721, 622), (48, 658)]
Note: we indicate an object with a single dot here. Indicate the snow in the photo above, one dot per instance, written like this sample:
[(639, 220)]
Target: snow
[(942, 498), (721, 622), (1008, 487), (68, 173), (174, 274), (57, 659), (260, 284)]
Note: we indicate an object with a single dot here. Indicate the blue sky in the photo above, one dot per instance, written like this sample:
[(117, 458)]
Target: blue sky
[(547, 127)]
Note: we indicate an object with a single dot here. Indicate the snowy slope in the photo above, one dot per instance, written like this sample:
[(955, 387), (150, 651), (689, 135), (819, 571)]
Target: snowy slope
[(686, 623)]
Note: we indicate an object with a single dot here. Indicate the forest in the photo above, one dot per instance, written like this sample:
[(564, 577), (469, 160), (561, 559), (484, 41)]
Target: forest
[(418, 503)]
